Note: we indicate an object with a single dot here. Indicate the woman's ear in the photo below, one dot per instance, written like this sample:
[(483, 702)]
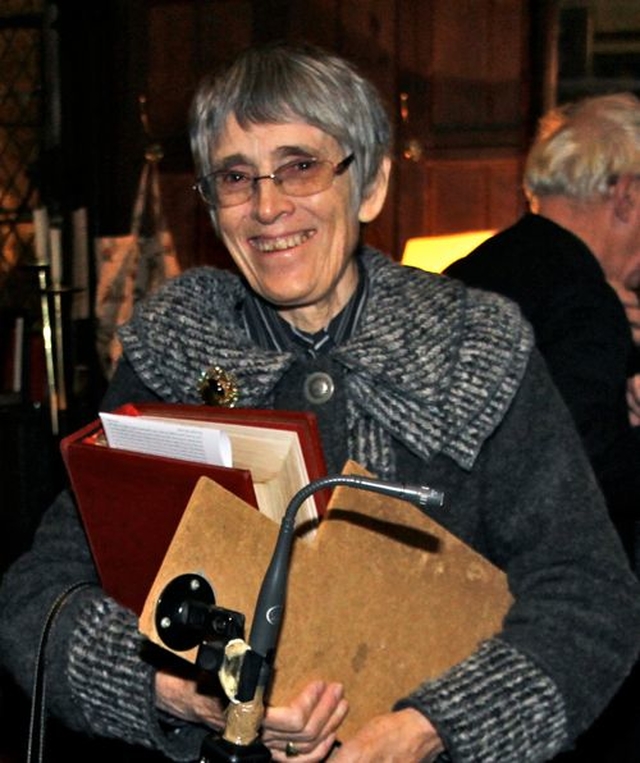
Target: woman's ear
[(371, 204)]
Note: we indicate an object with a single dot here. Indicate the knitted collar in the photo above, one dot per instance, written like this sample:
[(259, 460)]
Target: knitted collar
[(434, 364)]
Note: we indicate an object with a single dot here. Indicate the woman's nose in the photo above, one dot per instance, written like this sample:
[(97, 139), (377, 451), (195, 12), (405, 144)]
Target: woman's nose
[(269, 201)]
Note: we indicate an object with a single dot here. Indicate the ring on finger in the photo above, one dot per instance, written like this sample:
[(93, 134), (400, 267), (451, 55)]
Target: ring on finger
[(291, 751)]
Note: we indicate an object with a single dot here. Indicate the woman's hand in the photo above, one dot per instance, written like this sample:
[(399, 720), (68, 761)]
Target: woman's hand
[(306, 728), (402, 737), (181, 698)]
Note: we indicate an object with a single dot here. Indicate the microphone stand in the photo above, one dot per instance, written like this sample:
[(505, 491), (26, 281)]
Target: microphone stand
[(238, 742)]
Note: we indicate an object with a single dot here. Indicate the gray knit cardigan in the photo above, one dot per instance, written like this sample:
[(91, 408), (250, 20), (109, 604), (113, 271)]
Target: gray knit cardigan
[(427, 365), (439, 384)]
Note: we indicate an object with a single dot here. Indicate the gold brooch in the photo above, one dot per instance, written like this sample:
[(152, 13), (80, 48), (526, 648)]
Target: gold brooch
[(218, 387)]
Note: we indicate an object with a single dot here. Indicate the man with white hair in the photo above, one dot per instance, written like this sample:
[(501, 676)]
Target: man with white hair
[(559, 262), (563, 263)]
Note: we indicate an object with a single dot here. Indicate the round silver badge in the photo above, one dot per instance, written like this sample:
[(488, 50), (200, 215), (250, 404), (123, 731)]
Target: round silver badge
[(318, 387)]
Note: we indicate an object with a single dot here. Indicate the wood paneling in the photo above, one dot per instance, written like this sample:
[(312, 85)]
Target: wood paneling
[(473, 194), (461, 194), (317, 22), (477, 71), (460, 68), (463, 135)]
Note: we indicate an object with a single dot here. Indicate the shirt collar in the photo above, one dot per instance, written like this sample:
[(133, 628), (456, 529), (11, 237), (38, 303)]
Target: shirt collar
[(271, 332)]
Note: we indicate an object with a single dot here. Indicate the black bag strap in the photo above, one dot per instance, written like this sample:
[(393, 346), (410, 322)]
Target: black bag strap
[(38, 715)]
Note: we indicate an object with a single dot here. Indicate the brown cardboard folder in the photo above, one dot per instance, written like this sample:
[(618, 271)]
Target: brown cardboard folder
[(382, 598), (131, 503)]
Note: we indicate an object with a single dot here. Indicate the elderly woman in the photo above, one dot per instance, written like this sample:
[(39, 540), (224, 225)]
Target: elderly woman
[(411, 375)]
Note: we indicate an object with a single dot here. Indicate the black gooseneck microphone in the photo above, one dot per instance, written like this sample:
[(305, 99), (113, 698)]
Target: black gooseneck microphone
[(265, 629), (270, 603)]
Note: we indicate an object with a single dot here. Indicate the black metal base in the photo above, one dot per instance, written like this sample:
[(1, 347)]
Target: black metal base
[(215, 749)]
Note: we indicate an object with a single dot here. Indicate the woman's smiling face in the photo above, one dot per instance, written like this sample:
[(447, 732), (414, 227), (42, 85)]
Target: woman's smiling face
[(297, 252)]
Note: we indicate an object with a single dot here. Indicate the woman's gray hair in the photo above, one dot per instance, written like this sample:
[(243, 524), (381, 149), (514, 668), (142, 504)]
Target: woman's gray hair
[(582, 147), (280, 83)]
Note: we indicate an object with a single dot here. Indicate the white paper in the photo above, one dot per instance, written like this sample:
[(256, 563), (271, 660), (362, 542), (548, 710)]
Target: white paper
[(179, 439)]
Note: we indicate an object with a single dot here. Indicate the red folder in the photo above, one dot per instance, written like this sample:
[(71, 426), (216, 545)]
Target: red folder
[(131, 503)]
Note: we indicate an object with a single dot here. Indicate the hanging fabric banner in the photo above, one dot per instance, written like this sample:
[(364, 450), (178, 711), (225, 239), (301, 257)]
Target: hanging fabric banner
[(130, 267)]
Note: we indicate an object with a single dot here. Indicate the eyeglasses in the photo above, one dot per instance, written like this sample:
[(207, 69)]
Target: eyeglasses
[(303, 177)]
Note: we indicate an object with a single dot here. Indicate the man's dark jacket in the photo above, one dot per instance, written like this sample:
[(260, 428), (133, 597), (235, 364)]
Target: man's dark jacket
[(582, 332)]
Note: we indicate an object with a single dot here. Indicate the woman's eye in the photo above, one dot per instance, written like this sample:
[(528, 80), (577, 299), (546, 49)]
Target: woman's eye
[(302, 167), (232, 178)]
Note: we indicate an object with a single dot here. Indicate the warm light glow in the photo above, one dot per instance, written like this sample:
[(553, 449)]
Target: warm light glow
[(435, 253)]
